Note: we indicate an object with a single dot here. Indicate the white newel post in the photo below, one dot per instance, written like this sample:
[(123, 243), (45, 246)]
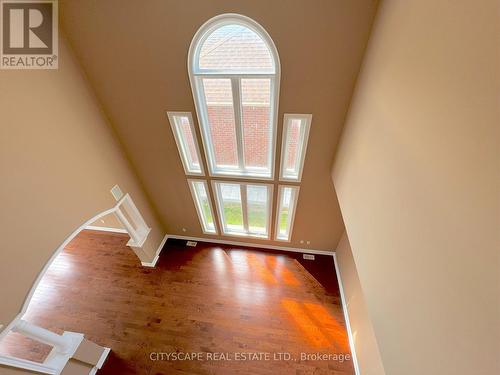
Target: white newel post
[(63, 344), (130, 229)]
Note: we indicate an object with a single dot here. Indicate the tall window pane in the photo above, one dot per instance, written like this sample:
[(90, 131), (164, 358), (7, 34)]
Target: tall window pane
[(244, 209), (287, 201), (232, 210), (234, 72), (257, 130), (220, 112), (257, 208), (203, 206), (292, 151), (295, 137), (183, 130)]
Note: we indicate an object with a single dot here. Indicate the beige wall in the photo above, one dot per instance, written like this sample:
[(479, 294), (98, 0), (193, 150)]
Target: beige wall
[(58, 161), (108, 221), (418, 180), (365, 343), (135, 55)]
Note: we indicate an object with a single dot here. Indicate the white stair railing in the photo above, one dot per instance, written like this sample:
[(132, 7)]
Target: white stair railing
[(133, 222), (64, 347), (27, 365)]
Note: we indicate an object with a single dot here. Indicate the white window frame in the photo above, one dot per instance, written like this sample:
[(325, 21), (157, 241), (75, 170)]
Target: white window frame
[(244, 207), (183, 153), (196, 79), (199, 211), (291, 217), (302, 147)]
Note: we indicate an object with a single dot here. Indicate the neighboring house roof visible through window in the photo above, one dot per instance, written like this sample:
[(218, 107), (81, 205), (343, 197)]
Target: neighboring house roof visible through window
[(235, 47), (234, 72)]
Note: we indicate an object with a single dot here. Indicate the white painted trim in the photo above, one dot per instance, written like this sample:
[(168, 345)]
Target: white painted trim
[(252, 244), (244, 207), (144, 237), (59, 359), (158, 251), (307, 119), (293, 209), (103, 358), (138, 229), (45, 369), (39, 368), (101, 361), (55, 361), (116, 192), (346, 316), (106, 229), (198, 207), (180, 145)]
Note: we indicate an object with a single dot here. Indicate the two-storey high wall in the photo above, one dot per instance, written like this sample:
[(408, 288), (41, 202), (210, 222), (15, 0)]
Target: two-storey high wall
[(418, 180)]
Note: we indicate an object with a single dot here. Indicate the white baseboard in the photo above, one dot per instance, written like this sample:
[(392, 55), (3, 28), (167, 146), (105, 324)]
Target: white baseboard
[(232, 243), (30, 366), (346, 317), (252, 244), (58, 359), (106, 229), (158, 251), (101, 361)]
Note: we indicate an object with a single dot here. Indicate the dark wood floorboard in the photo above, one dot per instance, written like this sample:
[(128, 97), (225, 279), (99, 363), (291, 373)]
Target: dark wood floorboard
[(210, 299)]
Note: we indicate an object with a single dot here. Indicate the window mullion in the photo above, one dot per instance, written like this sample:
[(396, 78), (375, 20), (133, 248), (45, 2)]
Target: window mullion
[(273, 127), (205, 124), (238, 123), (244, 206)]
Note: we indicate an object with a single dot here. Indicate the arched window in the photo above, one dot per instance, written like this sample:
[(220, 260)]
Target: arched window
[(234, 72)]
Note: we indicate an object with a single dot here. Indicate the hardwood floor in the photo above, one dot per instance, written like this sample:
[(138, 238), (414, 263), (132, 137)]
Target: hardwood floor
[(209, 299)]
